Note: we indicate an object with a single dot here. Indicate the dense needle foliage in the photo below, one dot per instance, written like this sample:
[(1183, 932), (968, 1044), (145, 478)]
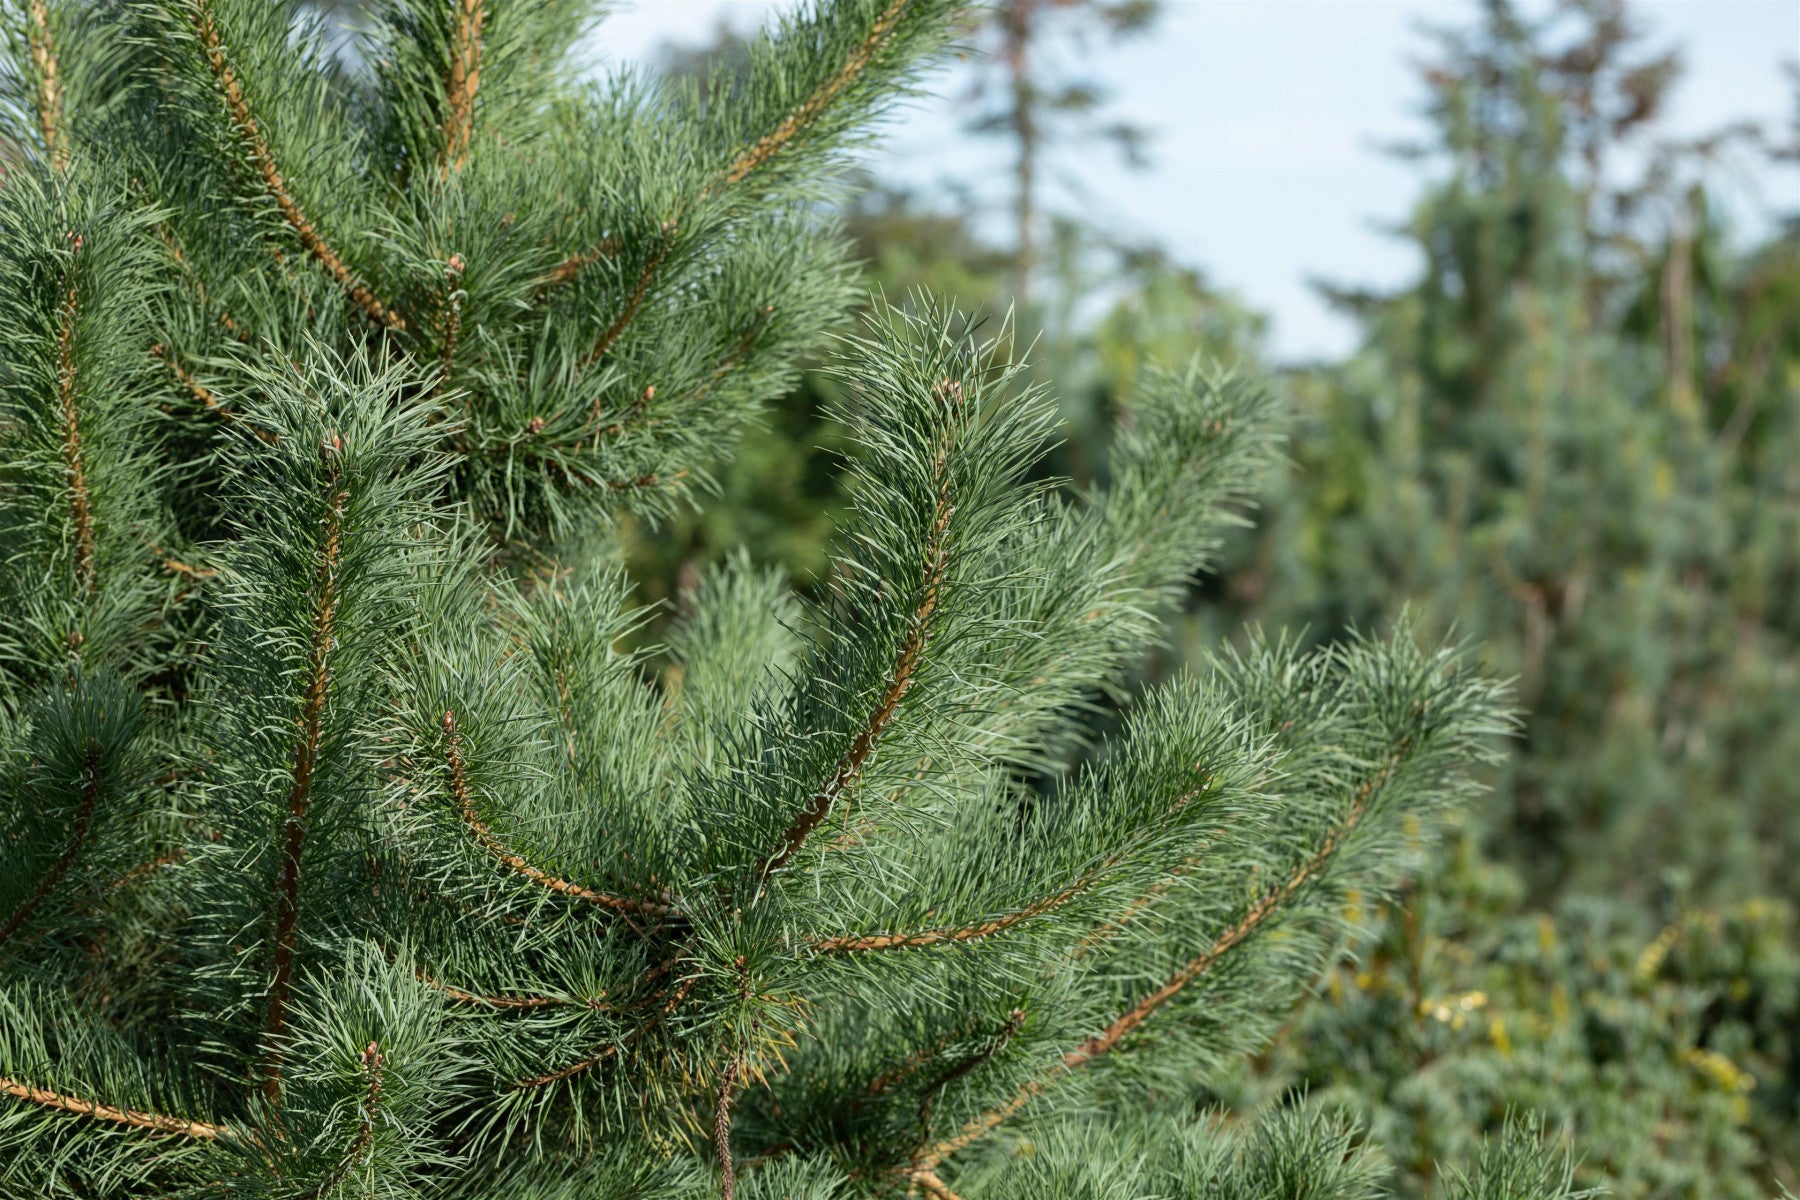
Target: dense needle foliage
[(353, 849)]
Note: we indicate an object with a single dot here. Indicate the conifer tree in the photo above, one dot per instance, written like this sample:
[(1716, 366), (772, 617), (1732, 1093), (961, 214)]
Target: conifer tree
[(352, 850)]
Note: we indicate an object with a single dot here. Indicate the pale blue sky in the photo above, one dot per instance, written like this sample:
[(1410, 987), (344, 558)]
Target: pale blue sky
[(1266, 116)]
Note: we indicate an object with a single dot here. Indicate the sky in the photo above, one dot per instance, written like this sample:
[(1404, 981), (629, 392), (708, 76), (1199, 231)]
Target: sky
[(1267, 117)]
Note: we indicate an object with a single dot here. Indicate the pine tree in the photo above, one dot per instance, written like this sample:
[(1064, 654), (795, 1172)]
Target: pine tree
[(351, 848)]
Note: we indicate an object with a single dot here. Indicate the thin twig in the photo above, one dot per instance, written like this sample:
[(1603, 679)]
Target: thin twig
[(1254, 917), (900, 681), (306, 759), (257, 145), (104, 1112), (465, 802)]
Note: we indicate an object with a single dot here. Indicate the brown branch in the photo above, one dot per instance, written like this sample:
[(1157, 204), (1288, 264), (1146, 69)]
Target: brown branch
[(198, 390), (636, 300), (912, 651), (1253, 919), (465, 803), (1014, 1021), (373, 1064), (854, 943), (74, 463), (459, 87), (566, 270), (506, 1002), (736, 355), (150, 868), (205, 395), (935, 1187), (722, 1129), (567, 1072), (299, 799), (244, 121), (796, 122), (102, 1112), (84, 821), (49, 84), (912, 1062)]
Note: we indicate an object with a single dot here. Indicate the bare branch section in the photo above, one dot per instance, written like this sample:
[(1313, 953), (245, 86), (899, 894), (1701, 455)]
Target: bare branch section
[(49, 84), (155, 1122), (306, 759), (722, 1130), (459, 86), (932, 1186), (465, 803), (1256, 916), (84, 821), (912, 651), (244, 121)]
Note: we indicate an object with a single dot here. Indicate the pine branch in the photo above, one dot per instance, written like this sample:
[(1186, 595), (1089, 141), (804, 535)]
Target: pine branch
[(459, 87), (49, 84), (568, 1072), (287, 890), (861, 943), (1015, 1020), (507, 1002), (1083, 883), (102, 1112), (791, 130), (1254, 918), (900, 681), (223, 316), (722, 1129), (257, 145), (80, 503), (465, 803), (636, 300), (374, 1066), (795, 125), (84, 820)]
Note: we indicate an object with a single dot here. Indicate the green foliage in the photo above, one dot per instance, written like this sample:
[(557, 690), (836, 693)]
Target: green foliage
[(1667, 1061), (380, 857)]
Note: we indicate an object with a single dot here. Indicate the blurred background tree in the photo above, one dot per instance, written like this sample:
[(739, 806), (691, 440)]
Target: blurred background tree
[(1576, 434)]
